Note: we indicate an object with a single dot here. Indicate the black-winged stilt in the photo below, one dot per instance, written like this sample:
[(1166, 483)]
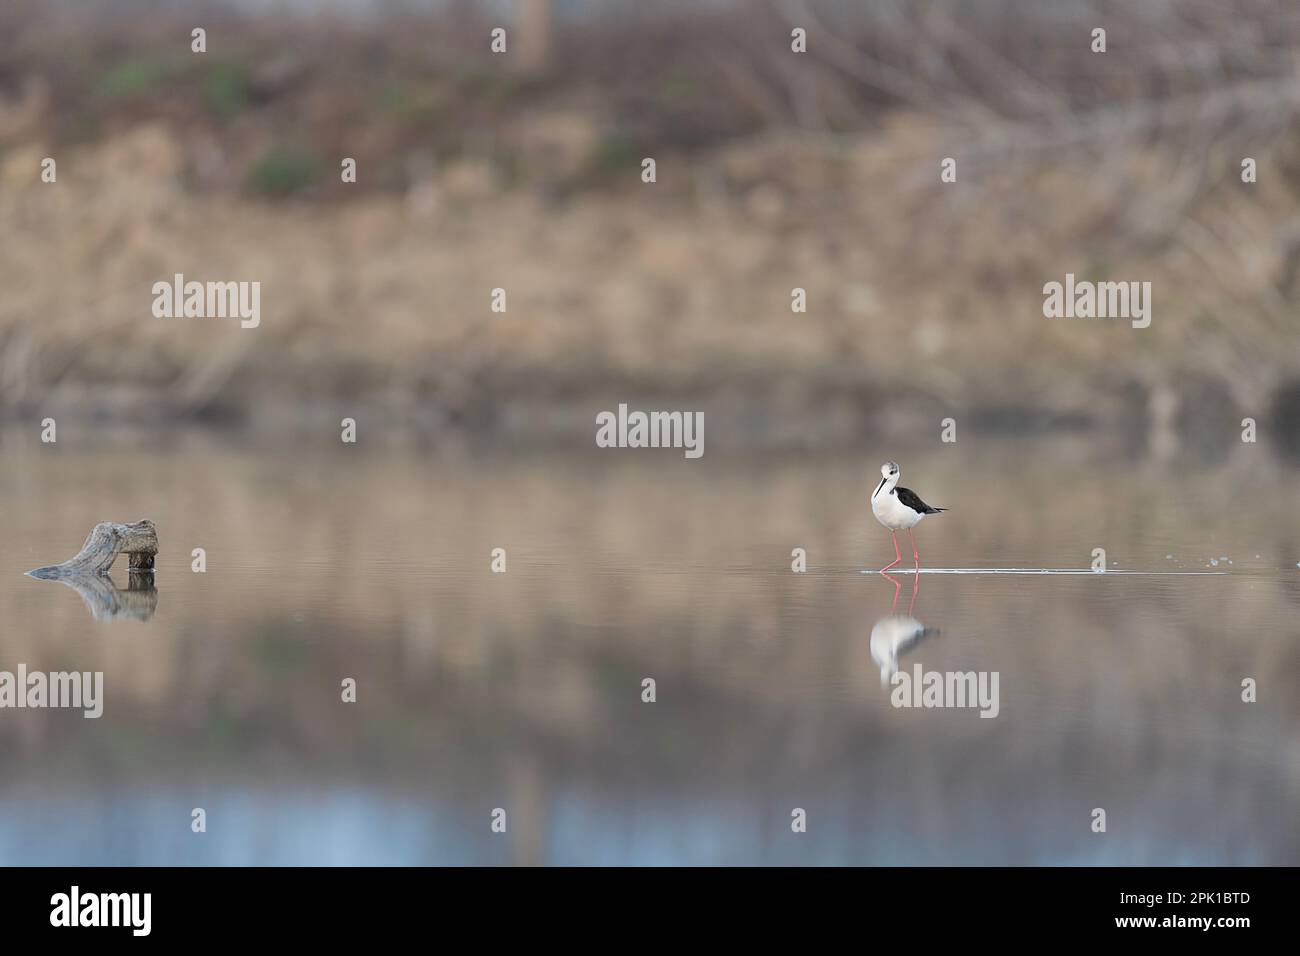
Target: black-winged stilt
[(898, 508)]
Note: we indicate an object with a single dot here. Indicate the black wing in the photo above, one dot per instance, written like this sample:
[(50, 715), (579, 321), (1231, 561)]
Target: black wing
[(913, 501)]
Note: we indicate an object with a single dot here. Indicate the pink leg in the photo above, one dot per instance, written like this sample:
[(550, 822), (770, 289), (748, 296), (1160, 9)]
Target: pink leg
[(898, 587), (898, 555), (915, 557)]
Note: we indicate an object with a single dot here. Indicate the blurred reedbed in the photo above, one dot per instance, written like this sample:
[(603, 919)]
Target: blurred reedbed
[(775, 171)]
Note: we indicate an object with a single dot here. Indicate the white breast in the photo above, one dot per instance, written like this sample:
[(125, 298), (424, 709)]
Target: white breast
[(892, 513), (890, 637)]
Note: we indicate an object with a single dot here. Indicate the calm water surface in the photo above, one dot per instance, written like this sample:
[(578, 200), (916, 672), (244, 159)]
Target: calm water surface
[(522, 690)]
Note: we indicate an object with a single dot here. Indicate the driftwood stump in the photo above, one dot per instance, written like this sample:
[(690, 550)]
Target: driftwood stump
[(87, 571), (108, 539)]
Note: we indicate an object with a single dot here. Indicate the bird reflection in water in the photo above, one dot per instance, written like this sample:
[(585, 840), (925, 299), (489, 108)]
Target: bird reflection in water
[(896, 633)]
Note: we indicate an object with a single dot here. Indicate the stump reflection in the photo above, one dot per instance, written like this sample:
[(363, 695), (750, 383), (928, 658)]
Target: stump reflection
[(107, 602)]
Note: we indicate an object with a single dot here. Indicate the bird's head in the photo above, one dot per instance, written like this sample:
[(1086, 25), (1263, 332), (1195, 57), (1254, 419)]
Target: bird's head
[(888, 473)]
